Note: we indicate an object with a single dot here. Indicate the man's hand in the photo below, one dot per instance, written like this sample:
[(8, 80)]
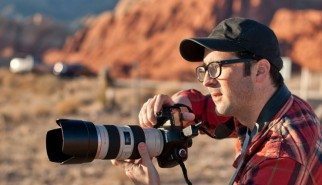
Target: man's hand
[(141, 172), (147, 115)]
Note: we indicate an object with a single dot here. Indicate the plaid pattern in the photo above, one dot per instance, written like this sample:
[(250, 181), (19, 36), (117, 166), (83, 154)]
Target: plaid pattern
[(288, 150)]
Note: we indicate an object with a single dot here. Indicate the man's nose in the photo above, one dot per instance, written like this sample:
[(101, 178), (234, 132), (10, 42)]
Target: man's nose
[(208, 81)]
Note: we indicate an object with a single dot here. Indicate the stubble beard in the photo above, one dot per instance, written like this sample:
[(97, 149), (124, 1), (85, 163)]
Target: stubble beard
[(223, 108), (234, 106)]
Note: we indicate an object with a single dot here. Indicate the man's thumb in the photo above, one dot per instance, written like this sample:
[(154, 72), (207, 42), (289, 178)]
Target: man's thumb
[(144, 153)]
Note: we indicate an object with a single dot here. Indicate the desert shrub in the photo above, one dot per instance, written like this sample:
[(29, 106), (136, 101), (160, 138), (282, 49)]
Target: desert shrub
[(41, 110), (68, 106)]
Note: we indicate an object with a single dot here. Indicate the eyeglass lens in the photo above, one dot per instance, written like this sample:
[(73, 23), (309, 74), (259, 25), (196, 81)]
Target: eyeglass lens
[(212, 68)]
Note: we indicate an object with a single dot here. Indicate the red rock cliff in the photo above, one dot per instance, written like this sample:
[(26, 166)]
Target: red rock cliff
[(300, 36), (142, 38)]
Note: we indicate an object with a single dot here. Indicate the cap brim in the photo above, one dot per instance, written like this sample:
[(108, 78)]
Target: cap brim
[(193, 49)]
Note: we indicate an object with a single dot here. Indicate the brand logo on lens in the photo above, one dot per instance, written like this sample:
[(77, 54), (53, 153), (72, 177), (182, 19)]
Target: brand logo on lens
[(78, 141), (127, 138)]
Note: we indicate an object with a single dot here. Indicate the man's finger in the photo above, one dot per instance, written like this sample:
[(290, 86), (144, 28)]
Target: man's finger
[(116, 162), (142, 114), (160, 101), (188, 116), (150, 112), (144, 153)]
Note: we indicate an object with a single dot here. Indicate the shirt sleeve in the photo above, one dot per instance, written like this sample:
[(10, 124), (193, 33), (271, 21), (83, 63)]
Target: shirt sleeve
[(204, 109), (275, 171)]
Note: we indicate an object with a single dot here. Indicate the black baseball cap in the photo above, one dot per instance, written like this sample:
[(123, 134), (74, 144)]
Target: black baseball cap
[(235, 35)]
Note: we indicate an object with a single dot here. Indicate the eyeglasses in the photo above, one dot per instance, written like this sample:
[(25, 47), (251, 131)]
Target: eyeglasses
[(214, 68)]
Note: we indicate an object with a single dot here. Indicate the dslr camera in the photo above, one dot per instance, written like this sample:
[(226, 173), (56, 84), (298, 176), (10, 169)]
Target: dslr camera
[(78, 141)]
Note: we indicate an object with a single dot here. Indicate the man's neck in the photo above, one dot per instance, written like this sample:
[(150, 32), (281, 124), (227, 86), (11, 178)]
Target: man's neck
[(249, 116)]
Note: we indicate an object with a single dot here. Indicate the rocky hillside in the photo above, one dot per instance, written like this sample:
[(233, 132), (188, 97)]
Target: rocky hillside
[(142, 38), (34, 26), (300, 35), (32, 36)]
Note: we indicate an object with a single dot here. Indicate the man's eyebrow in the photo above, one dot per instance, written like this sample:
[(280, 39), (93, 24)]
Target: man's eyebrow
[(209, 61), (212, 60)]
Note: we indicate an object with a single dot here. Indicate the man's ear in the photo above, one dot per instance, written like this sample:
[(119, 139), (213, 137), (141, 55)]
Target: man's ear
[(261, 70)]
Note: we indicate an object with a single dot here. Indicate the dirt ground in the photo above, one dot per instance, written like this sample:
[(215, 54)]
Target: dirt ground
[(29, 106)]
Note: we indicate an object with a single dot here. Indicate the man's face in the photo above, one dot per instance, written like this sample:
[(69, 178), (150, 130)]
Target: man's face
[(231, 91)]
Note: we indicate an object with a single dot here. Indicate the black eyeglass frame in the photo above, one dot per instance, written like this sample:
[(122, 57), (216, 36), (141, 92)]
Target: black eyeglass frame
[(220, 64)]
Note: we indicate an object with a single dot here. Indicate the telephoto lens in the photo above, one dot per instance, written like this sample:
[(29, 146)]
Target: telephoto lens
[(80, 141)]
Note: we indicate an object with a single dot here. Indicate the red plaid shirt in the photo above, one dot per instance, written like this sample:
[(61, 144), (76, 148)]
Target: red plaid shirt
[(287, 150)]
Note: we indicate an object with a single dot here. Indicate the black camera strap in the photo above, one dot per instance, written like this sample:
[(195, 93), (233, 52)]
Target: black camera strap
[(270, 109), (161, 121), (184, 171), (249, 136), (179, 105), (179, 161)]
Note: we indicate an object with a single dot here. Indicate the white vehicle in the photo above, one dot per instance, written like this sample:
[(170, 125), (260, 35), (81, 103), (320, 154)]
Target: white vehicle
[(21, 65)]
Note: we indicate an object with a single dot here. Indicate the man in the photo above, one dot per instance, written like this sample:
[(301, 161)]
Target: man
[(279, 135)]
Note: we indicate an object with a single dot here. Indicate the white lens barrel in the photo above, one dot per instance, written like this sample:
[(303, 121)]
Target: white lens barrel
[(127, 142), (120, 142), (154, 141), (103, 142)]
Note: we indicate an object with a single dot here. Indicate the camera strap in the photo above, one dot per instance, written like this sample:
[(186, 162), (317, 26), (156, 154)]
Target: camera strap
[(179, 161), (248, 138), (184, 171), (178, 119), (179, 105), (271, 108)]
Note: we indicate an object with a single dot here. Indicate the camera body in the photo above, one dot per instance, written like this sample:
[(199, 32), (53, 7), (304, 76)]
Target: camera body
[(80, 141), (177, 139)]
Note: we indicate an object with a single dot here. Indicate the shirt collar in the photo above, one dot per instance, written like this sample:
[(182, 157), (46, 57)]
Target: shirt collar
[(274, 104)]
